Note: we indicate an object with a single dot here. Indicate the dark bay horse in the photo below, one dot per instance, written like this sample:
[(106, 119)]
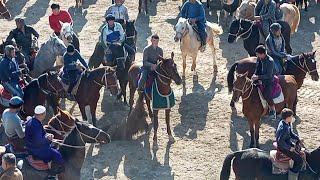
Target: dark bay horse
[(4, 12), (88, 92), (72, 148), (299, 67), (244, 87), (166, 72), (256, 164), (249, 32), (38, 91)]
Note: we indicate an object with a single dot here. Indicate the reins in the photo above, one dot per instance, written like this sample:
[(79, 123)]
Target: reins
[(243, 90), (302, 66), (239, 30)]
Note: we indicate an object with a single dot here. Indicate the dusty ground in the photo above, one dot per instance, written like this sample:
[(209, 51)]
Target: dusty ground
[(202, 122)]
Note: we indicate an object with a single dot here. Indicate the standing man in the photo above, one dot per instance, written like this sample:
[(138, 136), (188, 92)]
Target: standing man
[(119, 11), (58, 16), (11, 172), (151, 55), (265, 13), (10, 72), (13, 125), (194, 11), (23, 36)]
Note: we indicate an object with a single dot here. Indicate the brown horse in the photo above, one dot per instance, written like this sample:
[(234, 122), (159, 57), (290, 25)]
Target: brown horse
[(244, 87), (299, 67), (166, 71), (4, 10), (72, 147), (90, 84)]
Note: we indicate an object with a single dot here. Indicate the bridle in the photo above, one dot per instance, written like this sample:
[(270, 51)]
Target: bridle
[(5, 12), (166, 76), (303, 65), (185, 32), (65, 133), (244, 89), (67, 34), (55, 92), (239, 34), (105, 80)]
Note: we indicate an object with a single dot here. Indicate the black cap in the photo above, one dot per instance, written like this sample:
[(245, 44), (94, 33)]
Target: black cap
[(55, 6), (155, 36), (261, 49), (70, 48)]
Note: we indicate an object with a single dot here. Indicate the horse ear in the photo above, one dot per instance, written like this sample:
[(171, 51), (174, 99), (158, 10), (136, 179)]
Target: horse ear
[(161, 58), (314, 52), (61, 23), (172, 55), (246, 74)]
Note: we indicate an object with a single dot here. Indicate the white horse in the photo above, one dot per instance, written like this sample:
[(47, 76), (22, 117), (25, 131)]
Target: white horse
[(189, 43), (68, 36), (47, 55)]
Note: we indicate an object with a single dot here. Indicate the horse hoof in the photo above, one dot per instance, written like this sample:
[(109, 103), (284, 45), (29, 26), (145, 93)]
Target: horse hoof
[(155, 145), (234, 110), (215, 68), (171, 139)]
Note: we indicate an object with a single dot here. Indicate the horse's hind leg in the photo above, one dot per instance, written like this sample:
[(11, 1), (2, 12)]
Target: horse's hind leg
[(155, 126), (184, 66), (171, 139), (256, 133), (194, 63), (251, 126), (146, 6), (305, 5), (213, 49), (82, 108), (139, 8), (151, 115), (131, 98)]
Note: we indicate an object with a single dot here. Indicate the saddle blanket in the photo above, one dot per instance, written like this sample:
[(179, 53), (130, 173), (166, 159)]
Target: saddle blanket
[(276, 93), (65, 83), (149, 82), (160, 101), (5, 95), (37, 164)]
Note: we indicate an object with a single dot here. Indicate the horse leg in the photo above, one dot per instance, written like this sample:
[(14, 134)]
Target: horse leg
[(251, 126), (184, 65), (82, 108), (146, 6), (294, 108), (131, 98), (124, 93), (155, 126), (256, 133), (139, 8), (213, 49), (171, 138), (93, 107), (193, 67), (305, 5), (151, 115)]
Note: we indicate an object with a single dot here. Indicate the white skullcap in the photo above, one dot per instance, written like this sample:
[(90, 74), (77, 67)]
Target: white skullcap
[(39, 109)]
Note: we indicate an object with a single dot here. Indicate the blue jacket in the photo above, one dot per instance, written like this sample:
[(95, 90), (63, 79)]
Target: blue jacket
[(284, 135), (9, 70), (70, 61), (36, 142), (111, 35), (271, 47), (193, 10)]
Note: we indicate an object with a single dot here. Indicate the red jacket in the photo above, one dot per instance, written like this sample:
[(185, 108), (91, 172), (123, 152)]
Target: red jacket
[(63, 16)]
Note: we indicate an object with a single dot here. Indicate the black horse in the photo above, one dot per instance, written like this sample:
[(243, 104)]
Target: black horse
[(249, 32), (256, 164)]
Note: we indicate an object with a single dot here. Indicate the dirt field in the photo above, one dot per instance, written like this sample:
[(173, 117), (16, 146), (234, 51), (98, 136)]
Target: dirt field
[(204, 128)]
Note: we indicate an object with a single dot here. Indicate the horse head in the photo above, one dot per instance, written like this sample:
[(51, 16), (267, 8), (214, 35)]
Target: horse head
[(169, 67), (181, 29), (240, 86), (66, 31), (234, 30), (56, 45), (131, 33), (91, 134), (310, 64), (105, 76), (54, 86)]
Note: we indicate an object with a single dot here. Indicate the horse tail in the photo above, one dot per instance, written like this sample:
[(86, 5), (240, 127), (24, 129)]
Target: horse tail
[(226, 168), (230, 77), (216, 29), (296, 20)]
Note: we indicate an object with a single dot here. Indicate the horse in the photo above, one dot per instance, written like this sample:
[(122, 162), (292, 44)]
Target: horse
[(256, 164), (249, 32), (47, 54), (68, 36), (4, 12), (98, 54), (72, 145), (208, 3), (37, 92), (166, 71), (299, 66), (189, 43), (299, 3), (291, 13), (91, 81), (244, 87)]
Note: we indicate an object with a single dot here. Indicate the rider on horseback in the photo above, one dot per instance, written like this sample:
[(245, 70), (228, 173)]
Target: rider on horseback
[(194, 11), (112, 35), (12, 124), (284, 136), (10, 72), (71, 67), (151, 55), (38, 142), (24, 36), (58, 16), (119, 11), (265, 13), (265, 73), (275, 47)]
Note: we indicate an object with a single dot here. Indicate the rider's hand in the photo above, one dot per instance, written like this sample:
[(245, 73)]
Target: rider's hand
[(257, 18), (292, 149), (49, 136), (254, 77), (193, 20), (153, 67)]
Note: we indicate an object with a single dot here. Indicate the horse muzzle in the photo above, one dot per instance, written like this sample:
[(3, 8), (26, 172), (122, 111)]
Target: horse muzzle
[(231, 39), (176, 38)]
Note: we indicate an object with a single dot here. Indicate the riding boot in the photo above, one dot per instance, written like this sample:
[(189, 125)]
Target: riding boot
[(70, 96), (203, 46), (293, 176)]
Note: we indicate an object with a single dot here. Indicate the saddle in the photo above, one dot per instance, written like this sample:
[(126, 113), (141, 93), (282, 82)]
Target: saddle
[(5, 95), (195, 28), (66, 82), (37, 163), (276, 93), (281, 163), (149, 82)]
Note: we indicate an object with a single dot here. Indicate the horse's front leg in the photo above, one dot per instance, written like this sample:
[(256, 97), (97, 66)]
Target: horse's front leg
[(251, 126), (93, 107), (131, 98), (82, 108), (184, 65), (256, 132), (213, 50), (155, 126), (171, 138), (194, 63), (151, 115)]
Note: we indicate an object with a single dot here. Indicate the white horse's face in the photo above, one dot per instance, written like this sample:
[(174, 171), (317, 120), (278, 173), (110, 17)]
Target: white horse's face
[(181, 28), (67, 31)]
